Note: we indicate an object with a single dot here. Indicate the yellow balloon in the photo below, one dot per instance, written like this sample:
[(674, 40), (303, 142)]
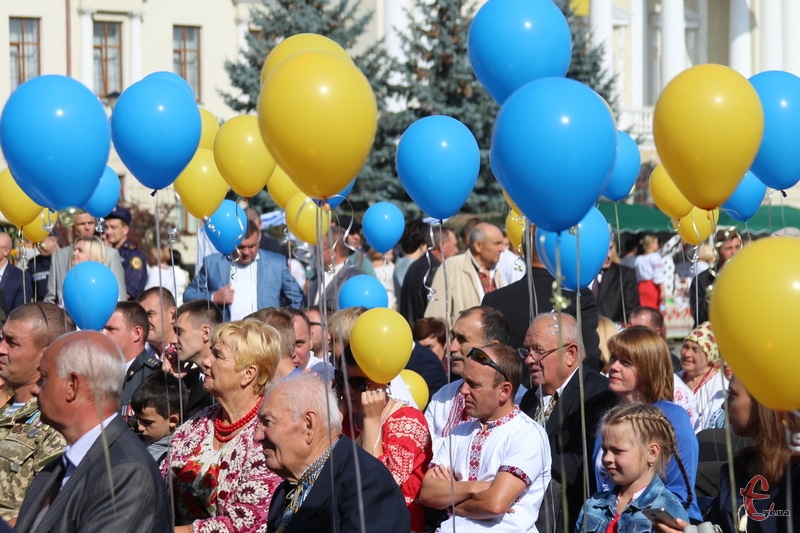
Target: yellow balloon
[(698, 225), (18, 208), (708, 125), (318, 117), (281, 187), (754, 308), (209, 128), (200, 185), (510, 202), (301, 218), (40, 227), (666, 195), (381, 341), (416, 386), (241, 157), (296, 44), (515, 228)]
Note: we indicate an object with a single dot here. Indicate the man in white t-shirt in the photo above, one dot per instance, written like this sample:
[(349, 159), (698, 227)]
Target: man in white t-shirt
[(495, 469)]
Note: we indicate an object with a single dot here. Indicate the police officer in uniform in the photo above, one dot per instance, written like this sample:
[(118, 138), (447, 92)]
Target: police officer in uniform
[(26, 443), (39, 265), (115, 234)]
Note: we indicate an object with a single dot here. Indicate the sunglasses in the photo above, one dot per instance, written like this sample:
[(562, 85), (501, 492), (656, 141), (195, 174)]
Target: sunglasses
[(359, 383), (479, 356)]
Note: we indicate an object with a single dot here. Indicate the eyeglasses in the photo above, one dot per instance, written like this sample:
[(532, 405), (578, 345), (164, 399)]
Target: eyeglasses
[(479, 356), (537, 354), (359, 383)]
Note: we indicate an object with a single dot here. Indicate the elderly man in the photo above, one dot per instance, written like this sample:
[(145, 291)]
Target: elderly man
[(337, 270), (14, 283), (470, 276), (83, 226), (495, 469), (28, 444), (117, 226), (159, 304), (552, 354), (106, 479), (258, 279), (128, 329), (476, 326), (300, 431)]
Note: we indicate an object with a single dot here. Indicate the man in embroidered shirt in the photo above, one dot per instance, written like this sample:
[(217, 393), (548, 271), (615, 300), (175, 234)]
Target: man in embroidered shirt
[(106, 477), (300, 431), (470, 275), (28, 444), (476, 326), (500, 461)]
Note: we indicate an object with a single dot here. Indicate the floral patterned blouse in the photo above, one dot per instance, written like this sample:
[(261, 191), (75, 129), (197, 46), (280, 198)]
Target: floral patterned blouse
[(226, 490)]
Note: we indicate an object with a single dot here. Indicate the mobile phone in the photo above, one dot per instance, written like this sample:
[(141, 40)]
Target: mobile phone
[(661, 516)]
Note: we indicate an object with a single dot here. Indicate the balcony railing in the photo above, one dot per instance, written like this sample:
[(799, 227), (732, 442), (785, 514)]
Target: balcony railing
[(638, 122)]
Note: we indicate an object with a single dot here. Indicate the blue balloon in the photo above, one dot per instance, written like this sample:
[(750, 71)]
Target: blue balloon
[(156, 130), (174, 78), (553, 150), (105, 196), (626, 168), (513, 42), (55, 138), (777, 163), (383, 225), (226, 227), (337, 199), (364, 291), (746, 199), (90, 294), (595, 238), (438, 161)]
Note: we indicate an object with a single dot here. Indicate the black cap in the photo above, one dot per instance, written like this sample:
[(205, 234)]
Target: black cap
[(121, 213)]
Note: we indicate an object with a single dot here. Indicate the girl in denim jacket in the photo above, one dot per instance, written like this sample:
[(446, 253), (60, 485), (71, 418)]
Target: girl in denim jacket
[(638, 440)]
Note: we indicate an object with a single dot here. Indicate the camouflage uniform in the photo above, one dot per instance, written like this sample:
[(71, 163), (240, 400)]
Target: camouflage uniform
[(26, 445)]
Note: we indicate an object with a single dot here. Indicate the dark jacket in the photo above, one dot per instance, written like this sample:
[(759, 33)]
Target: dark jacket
[(618, 293)]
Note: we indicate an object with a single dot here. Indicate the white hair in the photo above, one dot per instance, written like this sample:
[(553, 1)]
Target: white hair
[(307, 392), (101, 364)]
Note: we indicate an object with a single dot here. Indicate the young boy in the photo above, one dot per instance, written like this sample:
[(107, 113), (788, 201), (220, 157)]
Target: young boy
[(157, 407)]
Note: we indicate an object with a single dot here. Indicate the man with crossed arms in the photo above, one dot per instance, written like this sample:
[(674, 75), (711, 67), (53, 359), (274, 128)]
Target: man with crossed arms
[(494, 469)]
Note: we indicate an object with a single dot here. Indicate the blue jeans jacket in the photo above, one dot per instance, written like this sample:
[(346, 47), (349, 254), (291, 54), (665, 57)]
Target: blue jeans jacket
[(600, 509)]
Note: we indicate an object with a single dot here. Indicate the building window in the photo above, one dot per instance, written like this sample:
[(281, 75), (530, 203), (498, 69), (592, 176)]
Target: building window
[(186, 56), (24, 49), (107, 58)]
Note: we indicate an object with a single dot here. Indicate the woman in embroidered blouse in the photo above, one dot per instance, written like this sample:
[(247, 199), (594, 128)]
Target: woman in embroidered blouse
[(650, 273), (394, 432), (702, 373), (217, 471)]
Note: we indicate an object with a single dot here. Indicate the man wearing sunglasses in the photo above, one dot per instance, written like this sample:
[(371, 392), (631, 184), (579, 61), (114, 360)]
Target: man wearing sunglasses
[(553, 357), (495, 468), (476, 326)]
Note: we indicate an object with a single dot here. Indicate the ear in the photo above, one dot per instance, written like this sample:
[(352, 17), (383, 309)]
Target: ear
[(311, 423), (653, 451), (173, 421), (572, 355), (136, 333), (506, 392), (205, 332), (73, 387), (249, 374)]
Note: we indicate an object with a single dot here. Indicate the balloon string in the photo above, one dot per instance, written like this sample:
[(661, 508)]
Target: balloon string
[(431, 292)]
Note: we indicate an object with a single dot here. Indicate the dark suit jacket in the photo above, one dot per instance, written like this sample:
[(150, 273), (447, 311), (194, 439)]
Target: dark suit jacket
[(413, 294), (565, 432), (85, 504), (17, 288), (141, 367), (612, 294), (425, 363), (275, 285), (698, 299), (514, 302), (331, 299), (332, 503)]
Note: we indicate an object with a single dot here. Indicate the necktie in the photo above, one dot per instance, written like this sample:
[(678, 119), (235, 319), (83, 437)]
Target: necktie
[(543, 415)]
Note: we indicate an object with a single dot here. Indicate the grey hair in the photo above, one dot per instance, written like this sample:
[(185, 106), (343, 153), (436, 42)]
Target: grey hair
[(103, 366), (569, 326), (308, 392)]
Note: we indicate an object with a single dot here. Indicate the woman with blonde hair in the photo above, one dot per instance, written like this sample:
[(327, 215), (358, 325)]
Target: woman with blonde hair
[(216, 470), (640, 370), (88, 248)]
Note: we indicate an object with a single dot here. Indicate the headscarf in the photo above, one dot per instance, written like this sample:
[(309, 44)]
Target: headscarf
[(705, 338)]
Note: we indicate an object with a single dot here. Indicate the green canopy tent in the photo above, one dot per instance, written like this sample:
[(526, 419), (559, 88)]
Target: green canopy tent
[(635, 218), (766, 220)]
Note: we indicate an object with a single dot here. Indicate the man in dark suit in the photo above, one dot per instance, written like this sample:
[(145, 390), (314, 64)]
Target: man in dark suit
[(615, 289), (257, 280), (106, 480), (16, 285), (301, 436), (514, 302), (556, 404), (337, 270)]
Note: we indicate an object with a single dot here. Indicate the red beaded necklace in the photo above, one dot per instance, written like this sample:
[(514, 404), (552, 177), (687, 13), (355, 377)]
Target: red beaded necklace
[(224, 432)]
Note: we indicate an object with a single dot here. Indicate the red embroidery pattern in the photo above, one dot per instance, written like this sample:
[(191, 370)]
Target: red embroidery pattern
[(476, 446), (457, 415), (517, 472)]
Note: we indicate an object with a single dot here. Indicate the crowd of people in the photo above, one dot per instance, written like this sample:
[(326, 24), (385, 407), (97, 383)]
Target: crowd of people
[(234, 402)]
